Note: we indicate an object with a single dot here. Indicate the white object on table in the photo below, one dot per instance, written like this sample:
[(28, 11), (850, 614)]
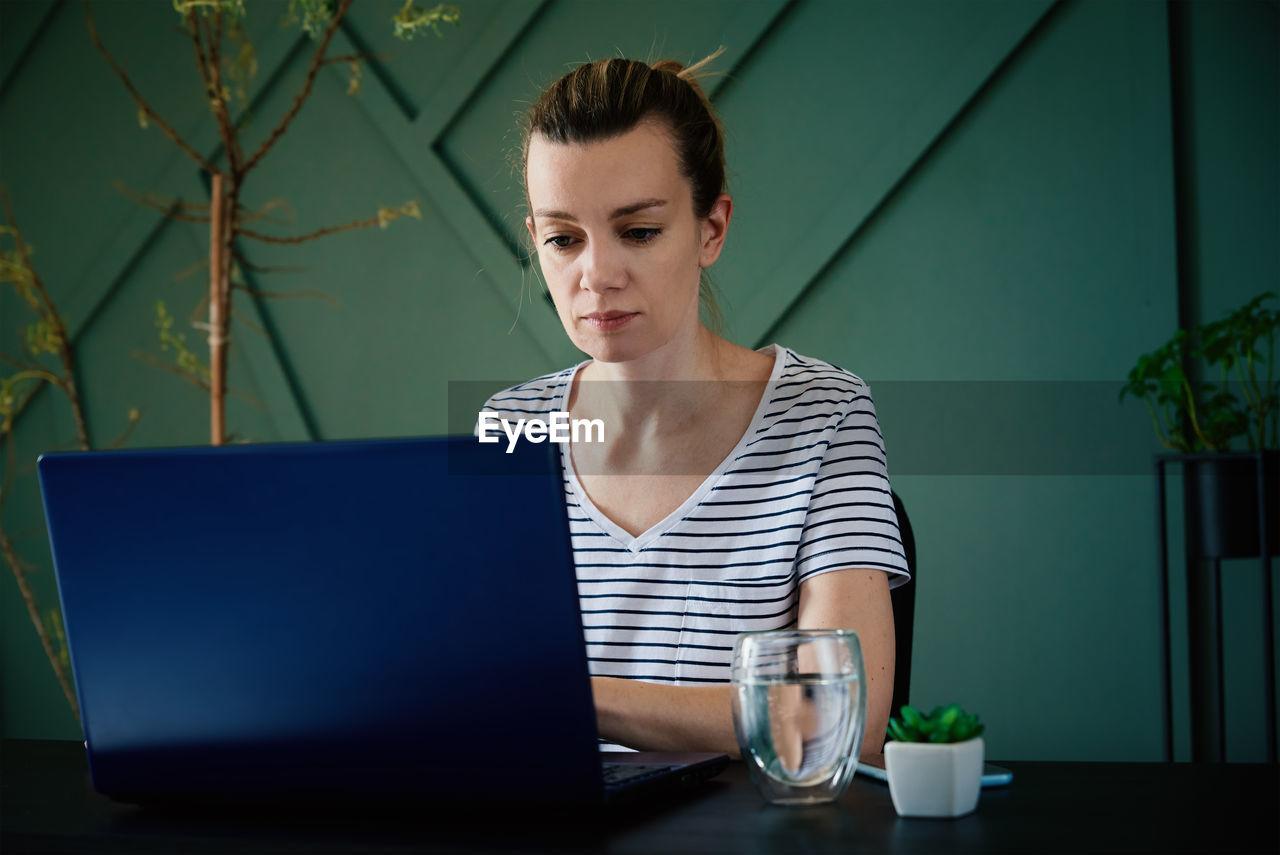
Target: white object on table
[(934, 779)]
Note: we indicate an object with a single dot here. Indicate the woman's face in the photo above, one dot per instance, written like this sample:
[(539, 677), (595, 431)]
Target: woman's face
[(618, 242)]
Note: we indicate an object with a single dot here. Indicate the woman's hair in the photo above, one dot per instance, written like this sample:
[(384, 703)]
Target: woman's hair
[(608, 97)]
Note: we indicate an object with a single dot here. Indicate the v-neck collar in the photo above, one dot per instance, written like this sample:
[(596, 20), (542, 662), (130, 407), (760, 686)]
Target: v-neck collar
[(647, 537)]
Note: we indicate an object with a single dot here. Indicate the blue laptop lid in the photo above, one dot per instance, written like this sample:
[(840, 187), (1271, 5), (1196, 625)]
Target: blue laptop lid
[(388, 616)]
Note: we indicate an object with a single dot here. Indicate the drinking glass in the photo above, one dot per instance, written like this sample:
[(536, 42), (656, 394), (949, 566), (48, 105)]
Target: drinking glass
[(799, 708)]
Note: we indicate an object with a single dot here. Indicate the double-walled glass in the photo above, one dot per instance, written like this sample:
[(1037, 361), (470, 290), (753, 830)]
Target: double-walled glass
[(799, 709)]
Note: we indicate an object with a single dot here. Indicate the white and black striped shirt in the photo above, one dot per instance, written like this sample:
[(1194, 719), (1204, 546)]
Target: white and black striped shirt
[(805, 491)]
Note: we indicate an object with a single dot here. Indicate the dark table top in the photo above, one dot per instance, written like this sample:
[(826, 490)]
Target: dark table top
[(47, 804)]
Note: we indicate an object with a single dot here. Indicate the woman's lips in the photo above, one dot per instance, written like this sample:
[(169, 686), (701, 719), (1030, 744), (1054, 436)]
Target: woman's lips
[(609, 321)]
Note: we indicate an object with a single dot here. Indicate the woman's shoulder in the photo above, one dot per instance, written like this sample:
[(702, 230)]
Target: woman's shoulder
[(806, 376)]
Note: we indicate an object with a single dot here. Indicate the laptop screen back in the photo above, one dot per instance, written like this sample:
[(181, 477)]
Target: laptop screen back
[(390, 616)]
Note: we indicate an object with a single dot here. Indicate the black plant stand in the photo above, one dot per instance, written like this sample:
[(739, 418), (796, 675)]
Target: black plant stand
[(1204, 611)]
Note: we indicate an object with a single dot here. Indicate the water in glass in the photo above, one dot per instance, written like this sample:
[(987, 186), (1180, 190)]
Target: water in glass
[(799, 711)]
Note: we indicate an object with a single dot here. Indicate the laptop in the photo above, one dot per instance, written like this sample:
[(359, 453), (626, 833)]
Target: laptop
[(377, 618)]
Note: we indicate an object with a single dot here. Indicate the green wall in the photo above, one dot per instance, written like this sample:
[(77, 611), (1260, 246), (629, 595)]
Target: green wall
[(973, 205)]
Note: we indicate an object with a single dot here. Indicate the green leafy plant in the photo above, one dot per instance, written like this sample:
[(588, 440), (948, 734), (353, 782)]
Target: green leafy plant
[(1244, 400), (943, 725)]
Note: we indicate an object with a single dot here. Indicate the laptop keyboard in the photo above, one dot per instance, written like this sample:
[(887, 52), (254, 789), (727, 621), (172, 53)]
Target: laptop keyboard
[(625, 773)]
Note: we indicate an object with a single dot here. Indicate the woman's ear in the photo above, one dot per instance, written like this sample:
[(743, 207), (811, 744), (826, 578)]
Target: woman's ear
[(533, 236), (714, 230)]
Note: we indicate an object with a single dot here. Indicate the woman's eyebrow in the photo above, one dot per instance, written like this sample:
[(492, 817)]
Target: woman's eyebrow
[(627, 210), (624, 211)]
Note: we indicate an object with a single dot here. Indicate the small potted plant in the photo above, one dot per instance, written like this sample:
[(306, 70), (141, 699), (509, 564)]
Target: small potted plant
[(934, 762)]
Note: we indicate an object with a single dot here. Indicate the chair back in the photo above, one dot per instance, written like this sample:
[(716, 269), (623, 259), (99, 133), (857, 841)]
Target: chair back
[(904, 611)]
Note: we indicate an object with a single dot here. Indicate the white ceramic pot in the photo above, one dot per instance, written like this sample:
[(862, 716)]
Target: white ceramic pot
[(941, 780)]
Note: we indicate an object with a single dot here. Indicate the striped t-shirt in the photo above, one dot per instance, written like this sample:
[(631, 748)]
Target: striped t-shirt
[(805, 491)]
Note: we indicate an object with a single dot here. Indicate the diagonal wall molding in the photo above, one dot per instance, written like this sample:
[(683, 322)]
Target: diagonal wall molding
[(420, 158), (822, 266), (23, 32), (863, 193)]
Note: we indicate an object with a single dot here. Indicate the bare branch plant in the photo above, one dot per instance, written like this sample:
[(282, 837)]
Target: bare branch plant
[(210, 25)]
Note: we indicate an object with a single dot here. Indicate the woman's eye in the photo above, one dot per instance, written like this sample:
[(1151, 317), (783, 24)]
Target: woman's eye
[(639, 235), (559, 241)]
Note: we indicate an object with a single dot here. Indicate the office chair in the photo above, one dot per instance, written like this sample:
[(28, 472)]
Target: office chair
[(904, 611)]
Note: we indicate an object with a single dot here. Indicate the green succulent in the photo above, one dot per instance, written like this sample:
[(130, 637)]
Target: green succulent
[(944, 724)]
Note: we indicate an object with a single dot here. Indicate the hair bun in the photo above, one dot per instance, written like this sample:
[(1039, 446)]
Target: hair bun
[(607, 97), (692, 72)]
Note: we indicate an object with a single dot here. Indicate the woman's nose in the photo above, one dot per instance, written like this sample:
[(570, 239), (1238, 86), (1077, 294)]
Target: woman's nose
[(602, 268)]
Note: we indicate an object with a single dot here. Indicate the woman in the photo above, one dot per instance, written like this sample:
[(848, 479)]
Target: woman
[(734, 489)]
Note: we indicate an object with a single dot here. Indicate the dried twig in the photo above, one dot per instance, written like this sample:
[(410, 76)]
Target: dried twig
[(135, 416), (202, 64), (301, 98), (191, 270), (215, 43), (20, 364), (263, 268), (157, 362), (244, 215), (137, 97), (250, 399), (199, 312), (20, 569), (217, 35), (53, 318), (171, 208), (230, 139), (318, 233), (6, 426), (244, 318)]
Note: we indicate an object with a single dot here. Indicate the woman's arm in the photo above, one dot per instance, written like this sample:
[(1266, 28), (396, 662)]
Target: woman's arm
[(859, 600), (655, 717)]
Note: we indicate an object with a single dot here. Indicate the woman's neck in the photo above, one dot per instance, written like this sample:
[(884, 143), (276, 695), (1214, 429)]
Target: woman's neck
[(667, 390)]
